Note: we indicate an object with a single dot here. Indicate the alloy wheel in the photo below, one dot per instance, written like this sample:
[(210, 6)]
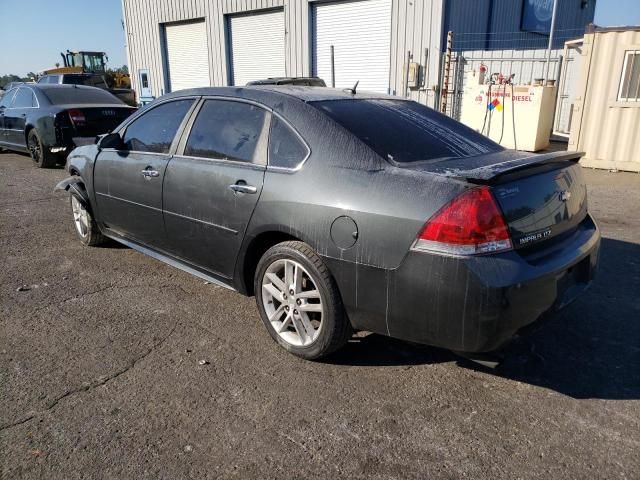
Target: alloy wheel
[(292, 302), (80, 217), (34, 148)]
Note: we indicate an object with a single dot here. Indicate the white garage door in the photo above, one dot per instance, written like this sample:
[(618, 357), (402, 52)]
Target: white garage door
[(187, 55), (257, 46), (360, 33)]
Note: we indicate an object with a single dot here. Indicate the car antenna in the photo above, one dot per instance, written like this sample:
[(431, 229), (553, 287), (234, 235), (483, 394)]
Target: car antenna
[(352, 90)]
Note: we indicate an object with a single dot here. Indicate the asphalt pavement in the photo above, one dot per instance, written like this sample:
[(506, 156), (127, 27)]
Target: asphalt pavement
[(114, 365)]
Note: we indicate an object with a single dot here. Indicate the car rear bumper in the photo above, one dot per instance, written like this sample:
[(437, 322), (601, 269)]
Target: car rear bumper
[(477, 304)]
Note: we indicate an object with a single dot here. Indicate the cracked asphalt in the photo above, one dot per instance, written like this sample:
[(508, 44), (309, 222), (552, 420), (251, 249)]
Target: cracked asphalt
[(100, 373)]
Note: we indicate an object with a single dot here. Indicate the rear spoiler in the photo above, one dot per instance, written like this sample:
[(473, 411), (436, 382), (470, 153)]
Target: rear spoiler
[(493, 167)]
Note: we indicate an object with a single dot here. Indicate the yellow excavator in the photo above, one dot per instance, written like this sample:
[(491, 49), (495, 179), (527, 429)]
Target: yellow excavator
[(90, 62)]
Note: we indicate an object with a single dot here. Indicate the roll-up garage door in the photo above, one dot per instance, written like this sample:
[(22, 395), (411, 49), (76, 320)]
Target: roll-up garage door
[(257, 46), (360, 33), (187, 55)]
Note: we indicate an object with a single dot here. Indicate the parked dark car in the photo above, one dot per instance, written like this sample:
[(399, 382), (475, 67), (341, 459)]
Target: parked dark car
[(127, 95), (300, 81), (44, 120), (343, 211)]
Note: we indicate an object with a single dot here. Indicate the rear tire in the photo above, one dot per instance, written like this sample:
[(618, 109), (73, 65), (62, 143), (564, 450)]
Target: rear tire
[(299, 301), (85, 226), (38, 152)]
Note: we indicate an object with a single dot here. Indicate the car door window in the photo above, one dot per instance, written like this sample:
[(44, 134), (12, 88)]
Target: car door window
[(286, 149), (155, 130), (227, 130), (23, 99)]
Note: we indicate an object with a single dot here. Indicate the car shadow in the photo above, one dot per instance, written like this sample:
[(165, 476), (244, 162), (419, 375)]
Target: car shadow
[(57, 166), (591, 349), (381, 351)]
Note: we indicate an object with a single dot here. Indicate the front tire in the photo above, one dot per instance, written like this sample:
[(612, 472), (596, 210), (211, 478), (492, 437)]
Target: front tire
[(85, 226), (38, 152), (299, 301)]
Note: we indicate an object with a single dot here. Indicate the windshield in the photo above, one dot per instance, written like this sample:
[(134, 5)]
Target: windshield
[(65, 96), (94, 62), (405, 132), (89, 80)]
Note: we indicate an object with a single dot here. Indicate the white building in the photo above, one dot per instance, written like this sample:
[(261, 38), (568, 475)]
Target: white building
[(175, 44)]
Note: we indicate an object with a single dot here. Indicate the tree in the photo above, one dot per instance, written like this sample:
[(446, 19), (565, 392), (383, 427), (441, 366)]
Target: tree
[(6, 79)]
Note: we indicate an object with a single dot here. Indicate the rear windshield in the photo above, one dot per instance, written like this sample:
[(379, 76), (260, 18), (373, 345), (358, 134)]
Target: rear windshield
[(89, 80), (406, 132), (65, 96)]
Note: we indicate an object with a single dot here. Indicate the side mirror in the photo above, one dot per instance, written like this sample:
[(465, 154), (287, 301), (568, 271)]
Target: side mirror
[(110, 140)]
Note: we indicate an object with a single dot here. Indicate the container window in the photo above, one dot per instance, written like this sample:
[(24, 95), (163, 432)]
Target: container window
[(630, 82)]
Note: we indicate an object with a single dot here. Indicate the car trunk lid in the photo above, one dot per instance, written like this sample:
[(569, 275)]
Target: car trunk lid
[(92, 120), (541, 196)]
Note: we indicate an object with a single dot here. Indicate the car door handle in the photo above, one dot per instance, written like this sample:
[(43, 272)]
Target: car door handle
[(240, 188), (150, 173)]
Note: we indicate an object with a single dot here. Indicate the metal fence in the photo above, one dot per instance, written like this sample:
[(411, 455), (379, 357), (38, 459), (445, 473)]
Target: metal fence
[(528, 65)]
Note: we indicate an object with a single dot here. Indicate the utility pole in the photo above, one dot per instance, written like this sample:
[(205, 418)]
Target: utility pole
[(333, 68), (553, 27)]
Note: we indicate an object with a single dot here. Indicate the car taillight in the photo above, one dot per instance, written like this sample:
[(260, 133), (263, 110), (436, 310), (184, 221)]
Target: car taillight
[(470, 224), (77, 117)]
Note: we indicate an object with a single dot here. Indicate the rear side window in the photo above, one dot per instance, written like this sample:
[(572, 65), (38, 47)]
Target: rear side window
[(6, 98), (154, 131), (286, 150), (226, 130), (88, 80), (23, 99), (76, 96), (404, 132)]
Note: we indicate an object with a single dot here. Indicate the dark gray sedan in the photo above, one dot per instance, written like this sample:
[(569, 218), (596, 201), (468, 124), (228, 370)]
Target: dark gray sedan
[(343, 212)]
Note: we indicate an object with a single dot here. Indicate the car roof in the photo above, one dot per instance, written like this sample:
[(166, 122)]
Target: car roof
[(54, 86), (68, 74), (273, 93), (285, 80)]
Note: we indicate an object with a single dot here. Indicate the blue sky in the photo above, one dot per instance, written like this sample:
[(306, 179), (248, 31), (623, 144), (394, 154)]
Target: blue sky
[(34, 32)]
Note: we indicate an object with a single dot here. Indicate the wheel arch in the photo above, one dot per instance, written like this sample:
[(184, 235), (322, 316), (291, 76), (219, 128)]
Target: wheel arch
[(75, 186), (27, 129), (253, 252)]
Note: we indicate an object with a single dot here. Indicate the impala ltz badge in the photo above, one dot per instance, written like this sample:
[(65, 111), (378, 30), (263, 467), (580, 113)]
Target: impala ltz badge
[(565, 195), (534, 237)]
